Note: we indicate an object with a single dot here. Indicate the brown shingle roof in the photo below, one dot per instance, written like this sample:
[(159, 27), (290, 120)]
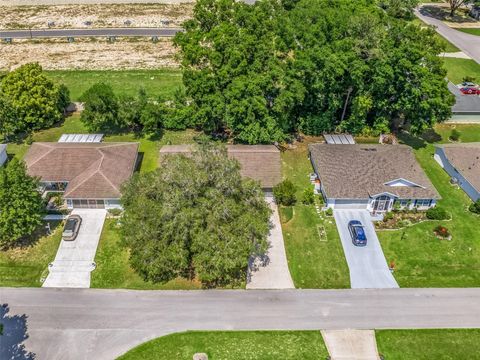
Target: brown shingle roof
[(359, 171), (92, 170), (258, 162), (466, 159)]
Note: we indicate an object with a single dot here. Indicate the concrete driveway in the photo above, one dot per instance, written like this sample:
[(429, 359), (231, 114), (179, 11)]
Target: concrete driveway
[(271, 271), (75, 259), (367, 265)]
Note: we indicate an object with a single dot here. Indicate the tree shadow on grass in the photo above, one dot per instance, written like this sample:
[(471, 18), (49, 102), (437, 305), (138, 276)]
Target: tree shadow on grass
[(443, 13), (14, 333), (411, 140)]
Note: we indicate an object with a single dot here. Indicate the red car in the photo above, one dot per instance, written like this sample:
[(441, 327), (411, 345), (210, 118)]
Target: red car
[(470, 91)]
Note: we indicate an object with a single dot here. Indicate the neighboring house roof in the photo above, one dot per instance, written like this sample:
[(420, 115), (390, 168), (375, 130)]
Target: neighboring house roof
[(92, 170), (361, 171), (258, 162), (464, 104), (465, 158)]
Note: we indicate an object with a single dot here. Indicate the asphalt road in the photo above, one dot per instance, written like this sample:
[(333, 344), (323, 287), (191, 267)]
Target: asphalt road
[(469, 44), (102, 324), (55, 33)]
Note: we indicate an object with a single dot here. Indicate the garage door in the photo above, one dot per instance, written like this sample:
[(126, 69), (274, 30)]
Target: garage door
[(88, 204), (351, 204)]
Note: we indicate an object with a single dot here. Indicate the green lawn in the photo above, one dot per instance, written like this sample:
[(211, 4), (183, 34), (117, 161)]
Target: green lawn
[(25, 266), (435, 344), (473, 31), (113, 268), (162, 82), (421, 259), (314, 262), (457, 69), (233, 345)]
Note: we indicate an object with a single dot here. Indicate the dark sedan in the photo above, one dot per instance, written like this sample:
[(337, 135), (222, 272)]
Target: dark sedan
[(357, 232), (72, 225)]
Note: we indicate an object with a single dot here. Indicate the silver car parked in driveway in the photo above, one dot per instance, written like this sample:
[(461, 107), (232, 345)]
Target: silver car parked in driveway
[(72, 225)]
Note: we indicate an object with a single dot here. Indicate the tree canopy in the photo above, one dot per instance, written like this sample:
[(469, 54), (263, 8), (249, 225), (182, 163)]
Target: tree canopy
[(21, 204), (29, 101), (195, 217), (265, 70)]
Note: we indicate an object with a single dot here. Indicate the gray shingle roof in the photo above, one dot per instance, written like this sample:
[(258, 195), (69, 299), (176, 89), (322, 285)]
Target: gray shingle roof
[(464, 104), (258, 162), (465, 158), (360, 171)]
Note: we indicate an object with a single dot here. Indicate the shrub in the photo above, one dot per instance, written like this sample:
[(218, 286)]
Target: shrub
[(388, 216), (285, 193), (475, 207), (115, 212), (404, 223), (455, 135), (329, 212), (441, 231), (437, 213), (308, 196)]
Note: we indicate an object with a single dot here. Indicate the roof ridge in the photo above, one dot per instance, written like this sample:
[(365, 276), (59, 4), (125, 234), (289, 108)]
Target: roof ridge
[(82, 182), (48, 152), (108, 180)]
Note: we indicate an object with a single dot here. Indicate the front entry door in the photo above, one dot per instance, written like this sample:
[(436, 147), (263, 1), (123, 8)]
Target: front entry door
[(381, 203)]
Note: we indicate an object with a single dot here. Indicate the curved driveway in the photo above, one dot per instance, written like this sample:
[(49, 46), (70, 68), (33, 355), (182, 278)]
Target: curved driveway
[(469, 44), (55, 33), (102, 324)]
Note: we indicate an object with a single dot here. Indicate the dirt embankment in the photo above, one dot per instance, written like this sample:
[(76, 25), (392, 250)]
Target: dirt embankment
[(89, 54), (95, 15)]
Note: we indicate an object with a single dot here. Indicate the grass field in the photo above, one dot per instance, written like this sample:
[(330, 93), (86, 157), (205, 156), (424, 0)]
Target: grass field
[(233, 345), (314, 262), (421, 259), (25, 266), (457, 69), (445, 344), (473, 31), (114, 271), (162, 82)]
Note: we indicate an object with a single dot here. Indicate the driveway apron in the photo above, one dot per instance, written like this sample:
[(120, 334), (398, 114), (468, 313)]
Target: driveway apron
[(367, 264), (351, 344), (75, 259), (271, 271)]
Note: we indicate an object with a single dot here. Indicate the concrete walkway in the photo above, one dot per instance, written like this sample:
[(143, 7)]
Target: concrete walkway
[(457, 55), (75, 259), (351, 344), (367, 265), (271, 272)]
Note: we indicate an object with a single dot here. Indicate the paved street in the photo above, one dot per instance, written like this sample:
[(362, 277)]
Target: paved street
[(367, 265), (469, 44), (74, 260), (102, 324), (51, 33)]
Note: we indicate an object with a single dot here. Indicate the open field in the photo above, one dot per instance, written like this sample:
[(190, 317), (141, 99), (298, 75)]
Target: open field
[(94, 15), (157, 82), (445, 344), (89, 54), (233, 345), (315, 261), (25, 265), (421, 259)]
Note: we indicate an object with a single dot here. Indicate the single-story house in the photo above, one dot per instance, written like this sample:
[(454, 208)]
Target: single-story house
[(466, 108), (258, 162), (372, 177), (89, 174), (3, 154), (462, 163)]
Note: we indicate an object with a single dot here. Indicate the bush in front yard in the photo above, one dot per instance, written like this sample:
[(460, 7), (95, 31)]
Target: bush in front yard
[(329, 212), (437, 213), (455, 135), (475, 207), (308, 196), (442, 232), (285, 193)]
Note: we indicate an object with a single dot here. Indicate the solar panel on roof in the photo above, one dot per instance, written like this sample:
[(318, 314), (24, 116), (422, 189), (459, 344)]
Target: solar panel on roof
[(81, 138), (344, 139)]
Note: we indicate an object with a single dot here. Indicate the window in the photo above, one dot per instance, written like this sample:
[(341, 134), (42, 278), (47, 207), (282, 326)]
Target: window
[(404, 202), (423, 202)]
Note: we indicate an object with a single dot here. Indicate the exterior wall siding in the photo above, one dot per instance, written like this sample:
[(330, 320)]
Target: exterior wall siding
[(443, 161)]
